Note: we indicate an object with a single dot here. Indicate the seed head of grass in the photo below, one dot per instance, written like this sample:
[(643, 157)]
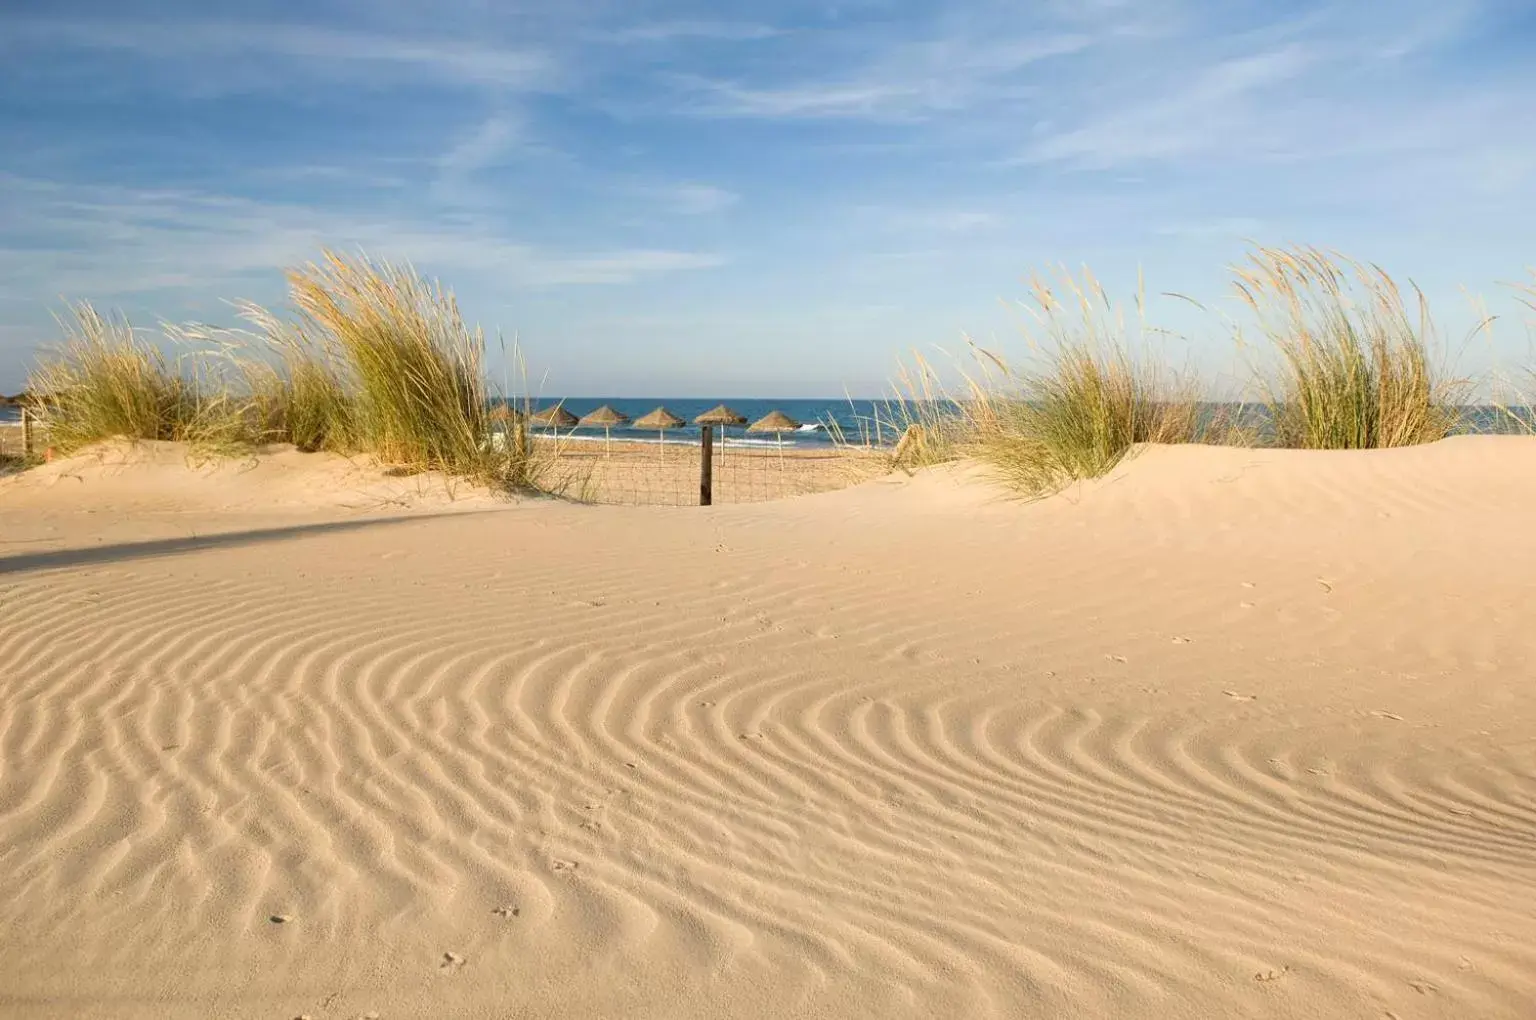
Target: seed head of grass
[(1356, 366)]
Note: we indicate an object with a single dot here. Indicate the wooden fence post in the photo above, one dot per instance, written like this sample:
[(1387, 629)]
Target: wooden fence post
[(706, 465), (26, 432)]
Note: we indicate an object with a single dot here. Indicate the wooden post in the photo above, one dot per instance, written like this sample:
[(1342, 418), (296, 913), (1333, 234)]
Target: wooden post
[(26, 432), (706, 465)]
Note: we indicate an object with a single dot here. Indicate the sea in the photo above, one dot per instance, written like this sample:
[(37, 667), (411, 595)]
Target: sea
[(820, 422)]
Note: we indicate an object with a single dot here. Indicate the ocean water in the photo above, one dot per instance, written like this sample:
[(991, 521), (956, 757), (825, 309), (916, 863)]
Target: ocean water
[(858, 419), (818, 419)]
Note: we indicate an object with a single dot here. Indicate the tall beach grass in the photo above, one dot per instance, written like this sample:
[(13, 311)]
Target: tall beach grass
[(1085, 393), (376, 361), (1357, 363), (105, 380)]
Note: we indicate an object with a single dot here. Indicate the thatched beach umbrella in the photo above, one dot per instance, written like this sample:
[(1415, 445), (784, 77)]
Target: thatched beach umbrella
[(720, 415), (778, 423), (556, 417), (605, 418), (660, 419)]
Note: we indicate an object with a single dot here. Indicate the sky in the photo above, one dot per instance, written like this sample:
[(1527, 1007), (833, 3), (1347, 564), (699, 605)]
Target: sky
[(750, 199)]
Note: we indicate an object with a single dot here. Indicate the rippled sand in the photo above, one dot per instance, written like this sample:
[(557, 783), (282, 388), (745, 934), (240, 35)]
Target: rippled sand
[(1229, 734)]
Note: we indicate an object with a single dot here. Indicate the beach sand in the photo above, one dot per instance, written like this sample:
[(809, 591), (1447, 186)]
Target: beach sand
[(1229, 733)]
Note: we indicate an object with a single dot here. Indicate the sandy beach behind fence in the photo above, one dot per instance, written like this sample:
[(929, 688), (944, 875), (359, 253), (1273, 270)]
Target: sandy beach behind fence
[(1228, 733)]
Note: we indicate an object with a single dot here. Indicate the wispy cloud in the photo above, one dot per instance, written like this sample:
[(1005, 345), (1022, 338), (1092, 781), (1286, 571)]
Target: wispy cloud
[(327, 50), (481, 148), (692, 199), (108, 243), (1197, 116), (913, 81), (683, 30)]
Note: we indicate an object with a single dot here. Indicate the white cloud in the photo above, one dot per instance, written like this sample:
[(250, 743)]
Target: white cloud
[(699, 199), (324, 50), (674, 31), (1202, 115), (106, 243), (912, 80)]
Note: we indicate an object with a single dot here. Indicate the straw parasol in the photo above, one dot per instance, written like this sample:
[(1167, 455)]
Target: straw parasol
[(556, 417), (778, 423), (605, 418), (720, 415), (660, 419)]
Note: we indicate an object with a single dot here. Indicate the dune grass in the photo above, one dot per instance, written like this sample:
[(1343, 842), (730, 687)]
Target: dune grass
[(1516, 400), (105, 381), (399, 349), (378, 361), (1356, 367), (1086, 393), (917, 425)]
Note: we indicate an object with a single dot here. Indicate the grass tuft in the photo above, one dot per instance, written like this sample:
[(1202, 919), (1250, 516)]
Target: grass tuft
[(104, 382), (378, 362), (1083, 399), (414, 367), (1356, 368)]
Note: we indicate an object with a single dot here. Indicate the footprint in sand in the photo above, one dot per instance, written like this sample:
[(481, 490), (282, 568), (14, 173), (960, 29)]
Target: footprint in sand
[(1181, 640), (450, 961), (1240, 697), (560, 864), (1266, 976), (1380, 714), (508, 912)]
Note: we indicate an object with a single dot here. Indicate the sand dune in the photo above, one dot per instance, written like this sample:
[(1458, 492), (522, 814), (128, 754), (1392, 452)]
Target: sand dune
[(1229, 733)]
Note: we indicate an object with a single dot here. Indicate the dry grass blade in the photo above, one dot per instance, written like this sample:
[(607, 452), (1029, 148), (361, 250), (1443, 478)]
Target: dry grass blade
[(1516, 406), (421, 394), (1082, 401), (1356, 368), (103, 382)]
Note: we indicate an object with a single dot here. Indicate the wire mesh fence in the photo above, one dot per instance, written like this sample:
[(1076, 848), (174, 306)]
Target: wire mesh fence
[(663, 472)]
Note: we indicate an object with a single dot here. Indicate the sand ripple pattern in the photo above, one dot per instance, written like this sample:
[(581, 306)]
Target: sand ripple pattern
[(730, 764)]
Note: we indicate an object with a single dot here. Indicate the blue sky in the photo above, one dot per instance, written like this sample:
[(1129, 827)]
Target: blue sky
[(754, 199)]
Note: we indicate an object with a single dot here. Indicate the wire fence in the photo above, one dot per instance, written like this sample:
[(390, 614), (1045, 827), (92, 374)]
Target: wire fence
[(594, 469)]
